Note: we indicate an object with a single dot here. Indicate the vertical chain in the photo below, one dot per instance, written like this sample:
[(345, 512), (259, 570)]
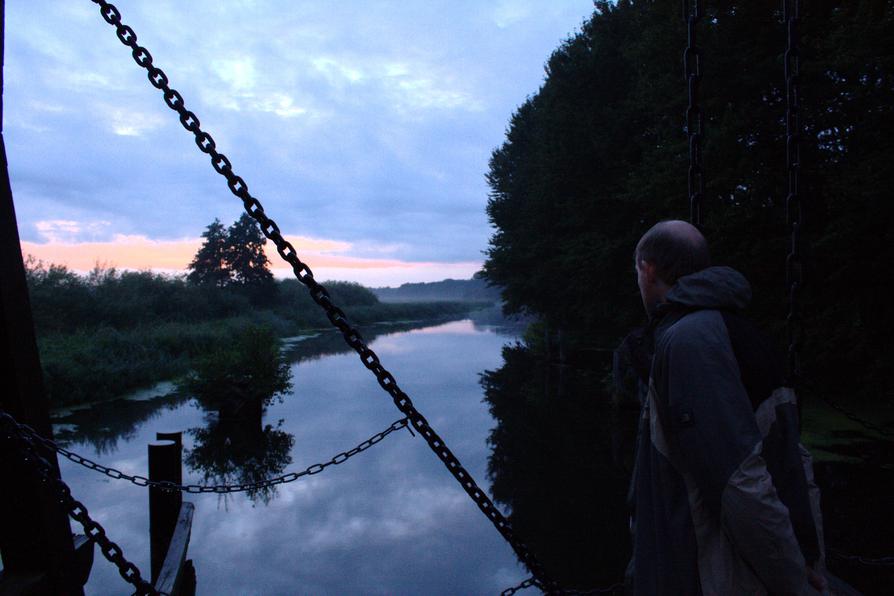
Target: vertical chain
[(692, 72), (794, 216)]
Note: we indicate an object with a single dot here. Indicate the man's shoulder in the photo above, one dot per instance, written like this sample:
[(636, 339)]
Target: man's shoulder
[(698, 329)]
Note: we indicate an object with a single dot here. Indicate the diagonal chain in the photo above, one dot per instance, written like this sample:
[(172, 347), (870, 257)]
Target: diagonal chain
[(25, 445), (318, 293), (138, 480)]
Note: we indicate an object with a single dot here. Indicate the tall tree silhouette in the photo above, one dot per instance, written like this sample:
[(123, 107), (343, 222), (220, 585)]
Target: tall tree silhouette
[(245, 253), (210, 266)]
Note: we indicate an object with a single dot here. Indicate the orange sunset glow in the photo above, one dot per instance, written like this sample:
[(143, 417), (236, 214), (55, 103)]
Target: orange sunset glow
[(173, 256)]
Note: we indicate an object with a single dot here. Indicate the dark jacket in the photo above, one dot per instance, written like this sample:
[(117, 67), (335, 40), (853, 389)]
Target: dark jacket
[(724, 498)]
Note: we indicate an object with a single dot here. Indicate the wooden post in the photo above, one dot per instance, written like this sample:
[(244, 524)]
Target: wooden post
[(164, 506), (35, 534)]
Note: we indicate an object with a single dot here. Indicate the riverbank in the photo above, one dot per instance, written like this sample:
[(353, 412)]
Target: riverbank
[(105, 361), (107, 333)]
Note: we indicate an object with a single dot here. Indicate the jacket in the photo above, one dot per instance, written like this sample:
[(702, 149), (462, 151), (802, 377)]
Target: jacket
[(723, 491)]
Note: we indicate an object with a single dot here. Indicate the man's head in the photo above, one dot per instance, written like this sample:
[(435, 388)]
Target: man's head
[(667, 252)]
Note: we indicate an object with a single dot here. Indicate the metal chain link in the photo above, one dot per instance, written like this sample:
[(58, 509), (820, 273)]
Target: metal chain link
[(794, 269), (522, 586), (692, 72), (318, 293), (197, 488), (617, 588), (78, 512)]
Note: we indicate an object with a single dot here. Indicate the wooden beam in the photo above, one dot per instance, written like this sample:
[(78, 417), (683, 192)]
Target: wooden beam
[(172, 577), (164, 506), (35, 534)]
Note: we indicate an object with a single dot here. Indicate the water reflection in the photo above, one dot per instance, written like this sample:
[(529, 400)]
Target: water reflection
[(233, 451), (561, 462), (103, 425), (235, 383)]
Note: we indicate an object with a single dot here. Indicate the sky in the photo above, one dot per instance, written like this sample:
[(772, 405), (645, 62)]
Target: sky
[(364, 128)]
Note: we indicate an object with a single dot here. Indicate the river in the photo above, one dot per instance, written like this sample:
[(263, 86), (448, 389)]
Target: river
[(390, 520)]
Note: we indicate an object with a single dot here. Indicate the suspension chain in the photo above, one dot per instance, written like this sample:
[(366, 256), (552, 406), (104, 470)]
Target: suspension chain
[(138, 480), (794, 269), (318, 293), (692, 72), (23, 443)]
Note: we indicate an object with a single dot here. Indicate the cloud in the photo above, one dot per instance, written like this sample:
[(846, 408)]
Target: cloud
[(61, 231), (373, 127)]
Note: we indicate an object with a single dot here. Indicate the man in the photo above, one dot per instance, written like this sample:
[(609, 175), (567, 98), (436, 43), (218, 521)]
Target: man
[(723, 492)]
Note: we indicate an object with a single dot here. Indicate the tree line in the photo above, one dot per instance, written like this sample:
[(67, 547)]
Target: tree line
[(598, 154), (111, 331)]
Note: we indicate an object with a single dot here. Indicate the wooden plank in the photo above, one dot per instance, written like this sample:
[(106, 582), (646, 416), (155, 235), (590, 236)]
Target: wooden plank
[(171, 575), (84, 557)]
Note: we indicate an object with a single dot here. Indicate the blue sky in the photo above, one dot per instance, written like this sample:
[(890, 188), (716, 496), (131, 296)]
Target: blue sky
[(364, 128)]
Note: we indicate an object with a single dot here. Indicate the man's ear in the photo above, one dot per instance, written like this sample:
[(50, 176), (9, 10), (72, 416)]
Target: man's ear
[(648, 270)]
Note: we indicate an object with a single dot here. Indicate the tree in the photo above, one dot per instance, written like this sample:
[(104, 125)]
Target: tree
[(210, 266), (245, 256), (597, 155)]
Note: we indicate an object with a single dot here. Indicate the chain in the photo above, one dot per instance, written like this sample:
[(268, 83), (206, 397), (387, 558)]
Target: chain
[(793, 207), (868, 561), (692, 72), (197, 488), (318, 293), (522, 586), (617, 588), (96, 533)]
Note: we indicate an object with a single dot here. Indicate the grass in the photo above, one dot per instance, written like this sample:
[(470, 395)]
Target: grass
[(104, 362)]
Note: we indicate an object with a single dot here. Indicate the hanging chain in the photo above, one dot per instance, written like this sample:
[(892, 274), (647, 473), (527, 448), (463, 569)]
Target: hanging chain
[(138, 480), (692, 72), (318, 293), (23, 443), (794, 218)]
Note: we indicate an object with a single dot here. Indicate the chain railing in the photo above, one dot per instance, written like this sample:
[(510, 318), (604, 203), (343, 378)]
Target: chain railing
[(692, 72), (142, 481), (318, 293), (23, 442)]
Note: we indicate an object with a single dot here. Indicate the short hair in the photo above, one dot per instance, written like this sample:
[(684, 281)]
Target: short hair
[(675, 248)]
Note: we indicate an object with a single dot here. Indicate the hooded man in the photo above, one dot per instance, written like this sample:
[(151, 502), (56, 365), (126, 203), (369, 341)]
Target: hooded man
[(723, 492)]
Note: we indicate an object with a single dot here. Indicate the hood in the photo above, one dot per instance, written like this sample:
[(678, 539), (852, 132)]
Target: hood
[(721, 288)]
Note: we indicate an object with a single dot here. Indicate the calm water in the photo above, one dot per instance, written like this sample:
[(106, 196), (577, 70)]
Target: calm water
[(391, 520)]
